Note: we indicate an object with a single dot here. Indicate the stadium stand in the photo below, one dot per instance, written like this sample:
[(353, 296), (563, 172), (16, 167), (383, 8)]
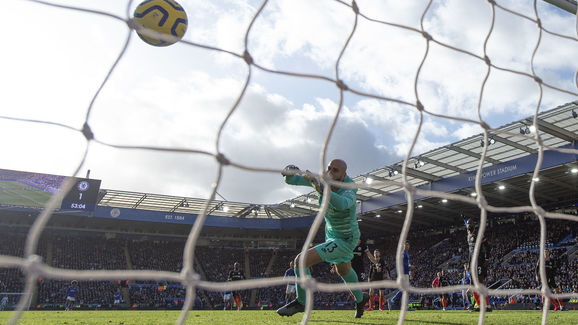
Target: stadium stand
[(512, 265)]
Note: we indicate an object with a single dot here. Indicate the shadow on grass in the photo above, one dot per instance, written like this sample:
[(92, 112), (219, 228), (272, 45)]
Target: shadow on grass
[(381, 321)]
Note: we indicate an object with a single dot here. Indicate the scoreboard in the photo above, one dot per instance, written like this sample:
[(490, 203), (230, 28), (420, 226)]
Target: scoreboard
[(27, 189), (82, 196)]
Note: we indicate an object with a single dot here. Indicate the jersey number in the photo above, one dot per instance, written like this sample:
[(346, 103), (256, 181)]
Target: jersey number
[(330, 247)]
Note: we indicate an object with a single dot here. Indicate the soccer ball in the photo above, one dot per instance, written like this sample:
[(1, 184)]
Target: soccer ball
[(166, 17)]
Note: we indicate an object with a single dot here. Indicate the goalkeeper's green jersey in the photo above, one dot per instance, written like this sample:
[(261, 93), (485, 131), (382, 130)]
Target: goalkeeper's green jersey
[(341, 215)]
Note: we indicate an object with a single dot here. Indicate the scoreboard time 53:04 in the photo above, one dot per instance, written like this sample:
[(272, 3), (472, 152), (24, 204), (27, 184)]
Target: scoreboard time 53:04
[(82, 196)]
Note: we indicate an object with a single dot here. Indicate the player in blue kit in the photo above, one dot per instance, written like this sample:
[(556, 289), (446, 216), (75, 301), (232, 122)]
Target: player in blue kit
[(466, 280), (71, 295), (407, 275), (290, 290), (341, 233), (117, 298)]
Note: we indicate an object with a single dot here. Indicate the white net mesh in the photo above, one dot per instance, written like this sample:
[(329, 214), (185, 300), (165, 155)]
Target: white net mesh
[(356, 28)]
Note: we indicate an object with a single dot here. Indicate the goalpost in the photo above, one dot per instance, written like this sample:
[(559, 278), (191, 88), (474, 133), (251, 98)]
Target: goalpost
[(359, 17)]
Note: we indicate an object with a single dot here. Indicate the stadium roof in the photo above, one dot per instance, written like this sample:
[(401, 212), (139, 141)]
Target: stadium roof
[(558, 127)]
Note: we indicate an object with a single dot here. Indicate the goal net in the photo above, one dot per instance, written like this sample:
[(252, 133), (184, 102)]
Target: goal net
[(314, 79)]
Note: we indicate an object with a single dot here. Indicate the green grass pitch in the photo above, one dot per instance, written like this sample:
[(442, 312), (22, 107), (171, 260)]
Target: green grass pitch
[(318, 317)]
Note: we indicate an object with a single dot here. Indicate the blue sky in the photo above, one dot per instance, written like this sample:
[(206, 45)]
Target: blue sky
[(178, 96)]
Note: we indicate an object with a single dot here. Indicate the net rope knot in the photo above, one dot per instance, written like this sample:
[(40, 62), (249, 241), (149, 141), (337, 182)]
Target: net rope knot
[(190, 277), (355, 7), (539, 210), (247, 57), (419, 106), (538, 79), (426, 35), (222, 159), (309, 283), (87, 132), (341, 85), (131, 24), (482, 201), (33, 265), (487, 60)]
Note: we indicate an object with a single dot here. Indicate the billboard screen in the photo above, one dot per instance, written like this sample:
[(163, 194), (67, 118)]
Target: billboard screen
[(25, 189)]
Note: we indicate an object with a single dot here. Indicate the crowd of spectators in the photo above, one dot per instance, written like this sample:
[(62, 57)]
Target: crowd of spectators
[(512, 265)]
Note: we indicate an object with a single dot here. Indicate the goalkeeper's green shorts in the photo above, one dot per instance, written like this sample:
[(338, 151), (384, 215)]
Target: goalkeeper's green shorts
[(337, 250)]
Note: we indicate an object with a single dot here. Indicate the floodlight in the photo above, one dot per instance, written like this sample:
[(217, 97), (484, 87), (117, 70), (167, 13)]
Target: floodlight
[(419, 163), (525, 129)]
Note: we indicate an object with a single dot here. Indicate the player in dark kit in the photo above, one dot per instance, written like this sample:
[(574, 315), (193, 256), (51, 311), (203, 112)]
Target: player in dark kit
[(377, 272), (482, 270), (357, 261), (551, 265), (438, 282), (237, 274)]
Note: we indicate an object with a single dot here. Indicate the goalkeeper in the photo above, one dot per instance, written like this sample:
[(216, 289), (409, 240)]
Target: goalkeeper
[(341, 233)]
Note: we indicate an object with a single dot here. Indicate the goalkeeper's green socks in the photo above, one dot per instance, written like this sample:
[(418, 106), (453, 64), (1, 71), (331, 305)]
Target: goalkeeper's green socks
[(301, 295), (351, 277)]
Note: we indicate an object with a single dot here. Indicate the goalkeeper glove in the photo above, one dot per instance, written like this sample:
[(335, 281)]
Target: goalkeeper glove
[(287, 170), (317, 185)]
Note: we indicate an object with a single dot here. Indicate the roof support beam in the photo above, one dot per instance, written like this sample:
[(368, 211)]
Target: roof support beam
[(473, 154), (401, 218), (558, 183), (142, 198), (444, 165), (514, 144), (417, 174), (439, 207), (554, 130), (375, 190), (381, 225)]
